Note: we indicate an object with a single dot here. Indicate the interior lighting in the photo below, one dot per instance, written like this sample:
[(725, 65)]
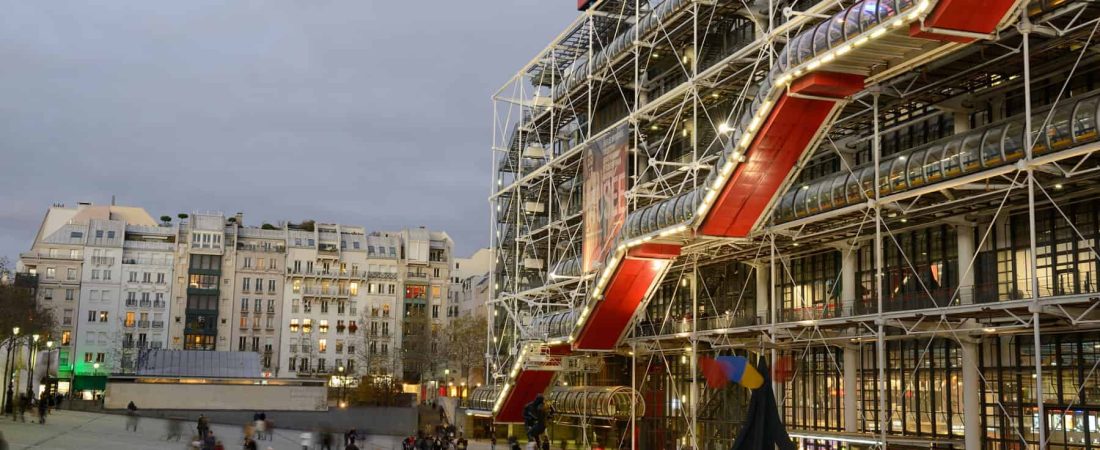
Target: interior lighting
[(724, 128)]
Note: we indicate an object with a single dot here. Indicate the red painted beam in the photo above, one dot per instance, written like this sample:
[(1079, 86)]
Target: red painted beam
[(828, 84), (655, 251), (974, 16), (527, 385), (771, 157), (621, 299)]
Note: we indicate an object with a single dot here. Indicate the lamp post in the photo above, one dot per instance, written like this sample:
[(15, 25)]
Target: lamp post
[(49, 360), (32, 346), (9, 367), (343, 384)]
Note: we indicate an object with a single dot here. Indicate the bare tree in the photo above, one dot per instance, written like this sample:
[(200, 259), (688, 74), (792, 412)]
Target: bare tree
[(465, 344)]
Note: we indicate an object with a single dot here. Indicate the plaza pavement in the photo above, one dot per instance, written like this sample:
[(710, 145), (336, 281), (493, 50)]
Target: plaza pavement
[(95, 431)]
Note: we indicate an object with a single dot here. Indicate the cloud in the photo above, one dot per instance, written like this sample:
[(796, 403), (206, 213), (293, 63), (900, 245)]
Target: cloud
[(353, 111)]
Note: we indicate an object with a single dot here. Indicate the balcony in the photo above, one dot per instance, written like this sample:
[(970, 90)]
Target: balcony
[(129, 324), (146, 304), (158, 303), (46, 255), (103, 260), (416, 276), (131, 302), (158, 324), (127, 344), (143, 324)]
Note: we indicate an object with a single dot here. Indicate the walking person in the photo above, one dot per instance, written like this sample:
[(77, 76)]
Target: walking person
[(43, 406), (249, 444), (203, 427), (131, 416)]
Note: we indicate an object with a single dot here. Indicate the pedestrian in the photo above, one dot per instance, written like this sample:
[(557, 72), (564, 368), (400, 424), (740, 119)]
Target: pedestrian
[(131, 416), (513, 444), (307, 440), (462, 444), (249, 444), (218, 446), (326, 440), (203, 426), (349, 437), (260, 426), (351, 446), (209, 441), (269, 428), (43, 406), (493, 441)]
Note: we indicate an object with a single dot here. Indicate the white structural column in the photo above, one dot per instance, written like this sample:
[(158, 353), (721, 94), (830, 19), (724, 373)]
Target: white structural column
[(848, 281), (851, 364), (971, 400), (762, 289), (966, 250)]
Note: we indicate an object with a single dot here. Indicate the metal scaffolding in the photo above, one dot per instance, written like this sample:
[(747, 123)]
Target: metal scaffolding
[(920, 278)]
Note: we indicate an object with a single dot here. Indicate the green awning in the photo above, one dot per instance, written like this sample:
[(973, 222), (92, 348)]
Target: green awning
[(89, 382)]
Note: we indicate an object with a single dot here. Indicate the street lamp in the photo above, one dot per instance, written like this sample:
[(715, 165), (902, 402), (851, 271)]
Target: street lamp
[(343, 383), (9, 367), (49, 359), (32, 346)]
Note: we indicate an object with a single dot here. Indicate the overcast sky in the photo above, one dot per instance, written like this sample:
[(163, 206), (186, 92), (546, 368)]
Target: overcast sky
[(365, 112)]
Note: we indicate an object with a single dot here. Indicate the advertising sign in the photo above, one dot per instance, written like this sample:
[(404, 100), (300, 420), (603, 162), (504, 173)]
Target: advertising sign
[(604, 194)]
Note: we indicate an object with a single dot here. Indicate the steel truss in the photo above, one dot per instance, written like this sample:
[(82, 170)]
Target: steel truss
[(678, 86)]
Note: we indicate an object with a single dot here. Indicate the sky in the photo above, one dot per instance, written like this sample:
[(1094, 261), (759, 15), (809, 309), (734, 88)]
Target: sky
[(366, 112)]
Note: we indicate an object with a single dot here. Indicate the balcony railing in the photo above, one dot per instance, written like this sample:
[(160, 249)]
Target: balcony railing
[(143, 324), (128, 324), (131, 303), (103, 260), (158, 303), (46, 255), (146, 304), (158, 324)]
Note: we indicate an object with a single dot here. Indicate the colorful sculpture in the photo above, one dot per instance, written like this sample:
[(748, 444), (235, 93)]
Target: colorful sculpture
[(763, 429)]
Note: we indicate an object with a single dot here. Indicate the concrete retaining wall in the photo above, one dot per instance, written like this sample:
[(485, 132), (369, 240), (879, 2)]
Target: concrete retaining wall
[(209, 397), (390, 421)]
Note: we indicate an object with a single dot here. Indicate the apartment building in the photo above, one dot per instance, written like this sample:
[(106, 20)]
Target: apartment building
[(204, 269), (310, 298), (101, 270), (257, 292), (470, 285), (427, 257)]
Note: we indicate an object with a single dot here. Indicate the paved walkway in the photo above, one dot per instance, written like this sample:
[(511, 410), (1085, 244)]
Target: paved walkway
[(92, 431)]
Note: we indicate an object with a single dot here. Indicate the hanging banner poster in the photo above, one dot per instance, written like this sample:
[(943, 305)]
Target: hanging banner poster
[(604, 194)]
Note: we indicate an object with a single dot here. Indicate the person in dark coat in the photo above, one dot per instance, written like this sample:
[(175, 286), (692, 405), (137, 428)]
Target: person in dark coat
[(534, 418), (43, 406), (131, 416)]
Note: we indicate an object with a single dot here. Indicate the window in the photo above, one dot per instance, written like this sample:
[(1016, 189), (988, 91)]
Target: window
[(257, 307), (259, 285), (247, 262), (322, 345), (323, 326), (386, 310), (291, 362), (355, 245), (66, 337), (110, 235), (436, 292), (75, 254), (244, 321), (240, 343), (293, 325), (354, 288), (106, 274), (271, 286), (321, 365), (208, 282), (307, 325), (271, 322), (245, 284), (244, 305), (297, 286), (129, 319), (133, 277), (324, 306), (95, 274), (294, 306), (91, 316), (103, 316), (146, 277), (435, 272), (160, 278), (435, 311), (47, 294), (51, 272), (393, 289), (270, 306), (87, 357), (272, 264), (100, 357), (70, 274), (99, 234)]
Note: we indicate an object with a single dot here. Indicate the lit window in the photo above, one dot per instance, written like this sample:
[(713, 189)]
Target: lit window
[(293, 325)]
